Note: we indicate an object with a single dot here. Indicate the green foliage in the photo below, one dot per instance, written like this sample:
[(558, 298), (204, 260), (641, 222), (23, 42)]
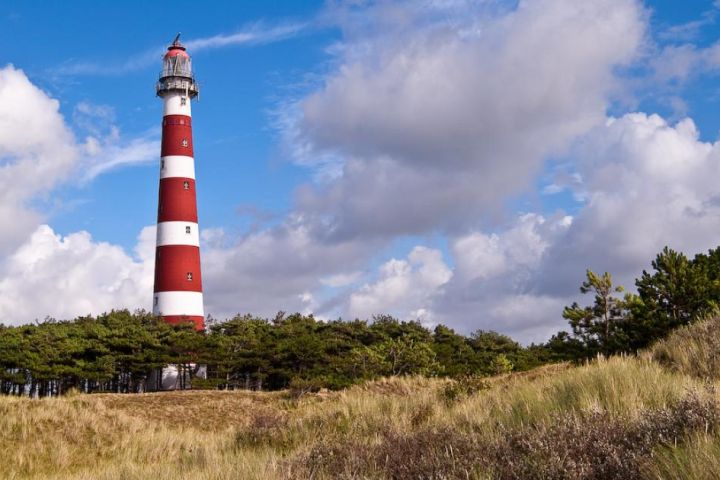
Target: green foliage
[(600, 326), (501, 365), (115, 352), (678, 291)]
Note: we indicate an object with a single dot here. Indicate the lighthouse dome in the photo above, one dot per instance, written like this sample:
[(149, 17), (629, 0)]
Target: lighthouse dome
[(176, 51)]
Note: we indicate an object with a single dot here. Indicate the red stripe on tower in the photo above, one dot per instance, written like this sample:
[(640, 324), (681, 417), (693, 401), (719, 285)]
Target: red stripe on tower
[(178, 280)]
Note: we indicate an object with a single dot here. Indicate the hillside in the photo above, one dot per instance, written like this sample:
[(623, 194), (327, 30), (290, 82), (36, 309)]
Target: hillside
[(653, 416)]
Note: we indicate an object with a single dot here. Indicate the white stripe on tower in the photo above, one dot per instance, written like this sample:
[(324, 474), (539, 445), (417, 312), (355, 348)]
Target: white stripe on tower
[(179, 166), (178, 233), (180, 303)]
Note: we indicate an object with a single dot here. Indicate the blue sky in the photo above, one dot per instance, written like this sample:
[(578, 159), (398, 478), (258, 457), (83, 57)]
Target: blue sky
[(459, 162)]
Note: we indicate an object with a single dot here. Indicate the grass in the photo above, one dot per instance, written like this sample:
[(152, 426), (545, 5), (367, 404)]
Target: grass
[(654, 416), (692, 350)]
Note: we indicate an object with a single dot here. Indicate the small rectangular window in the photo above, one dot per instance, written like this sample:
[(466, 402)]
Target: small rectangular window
[(189, 276), (187, 229), (162, 164), (183, 100), (186, 185)]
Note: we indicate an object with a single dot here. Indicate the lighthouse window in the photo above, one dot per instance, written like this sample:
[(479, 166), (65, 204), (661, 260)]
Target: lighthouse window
[(189, 276), (184, 142), (186, 185), (162, 164), (183, 100), (156, 301), (187, 229)]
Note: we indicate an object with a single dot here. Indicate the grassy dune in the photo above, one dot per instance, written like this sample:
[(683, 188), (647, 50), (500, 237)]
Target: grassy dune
[(654, 416)]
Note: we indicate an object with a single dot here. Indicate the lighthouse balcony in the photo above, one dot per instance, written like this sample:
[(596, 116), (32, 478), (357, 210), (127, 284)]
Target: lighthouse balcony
[(177, 83)]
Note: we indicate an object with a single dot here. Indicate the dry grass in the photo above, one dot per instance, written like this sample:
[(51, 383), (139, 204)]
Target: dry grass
[(697, 459), (620, 408), (692, 350)]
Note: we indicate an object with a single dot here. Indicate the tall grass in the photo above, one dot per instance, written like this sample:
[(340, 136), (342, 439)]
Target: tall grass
[(697, 459), (652, 416), (692, 350)]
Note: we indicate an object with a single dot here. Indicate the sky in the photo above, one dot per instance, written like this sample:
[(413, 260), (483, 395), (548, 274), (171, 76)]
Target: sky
[(450, 161)]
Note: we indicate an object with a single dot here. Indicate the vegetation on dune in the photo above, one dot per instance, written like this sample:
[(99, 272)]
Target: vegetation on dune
[(115, 352), (617, 418)]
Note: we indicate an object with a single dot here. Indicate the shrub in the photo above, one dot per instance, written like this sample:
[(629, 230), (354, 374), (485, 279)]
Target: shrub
[(265, 429), (594, 446), (463, 387), (422, 455)]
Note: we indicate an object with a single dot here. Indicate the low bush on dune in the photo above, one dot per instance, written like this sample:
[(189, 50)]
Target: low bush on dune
[(624, 417), (594, 446)]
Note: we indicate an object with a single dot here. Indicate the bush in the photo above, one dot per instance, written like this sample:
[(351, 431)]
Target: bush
[(265, 429), (462, 387), (594, 446)]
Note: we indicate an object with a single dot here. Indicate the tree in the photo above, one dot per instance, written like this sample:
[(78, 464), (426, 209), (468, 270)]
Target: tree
[(599, 326), (677, 292), (453, 352), (500, 364), (407, 356)]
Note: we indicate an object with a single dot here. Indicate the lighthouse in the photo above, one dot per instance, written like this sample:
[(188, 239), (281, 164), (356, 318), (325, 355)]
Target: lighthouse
[(178, 293)]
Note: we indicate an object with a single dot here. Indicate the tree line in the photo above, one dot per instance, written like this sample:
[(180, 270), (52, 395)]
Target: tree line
[(116, 351)]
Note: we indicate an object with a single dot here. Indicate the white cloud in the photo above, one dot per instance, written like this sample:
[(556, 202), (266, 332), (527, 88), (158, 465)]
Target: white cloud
[(37, 152), (431, 114), (648, 184), (280, 268), (678, 63), (103, 155), (493, 283), (63, 277), (105, 148), (255, 34), (404, 287), (341, 279)]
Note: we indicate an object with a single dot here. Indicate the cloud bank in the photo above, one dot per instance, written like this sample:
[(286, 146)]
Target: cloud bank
[(430, 120)]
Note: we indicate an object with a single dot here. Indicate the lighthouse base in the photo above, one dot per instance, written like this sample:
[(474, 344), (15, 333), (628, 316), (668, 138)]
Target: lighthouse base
[(175, 377)]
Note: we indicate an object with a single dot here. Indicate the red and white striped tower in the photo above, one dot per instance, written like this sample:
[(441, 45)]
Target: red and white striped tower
[(178, 282)]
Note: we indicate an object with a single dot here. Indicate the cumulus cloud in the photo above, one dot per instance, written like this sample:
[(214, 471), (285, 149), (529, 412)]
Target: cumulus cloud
[(404, 287), (648, 184), (72, 275), (279, 268), (37, 151), (429, 115), (493, 283), (679, 63)]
